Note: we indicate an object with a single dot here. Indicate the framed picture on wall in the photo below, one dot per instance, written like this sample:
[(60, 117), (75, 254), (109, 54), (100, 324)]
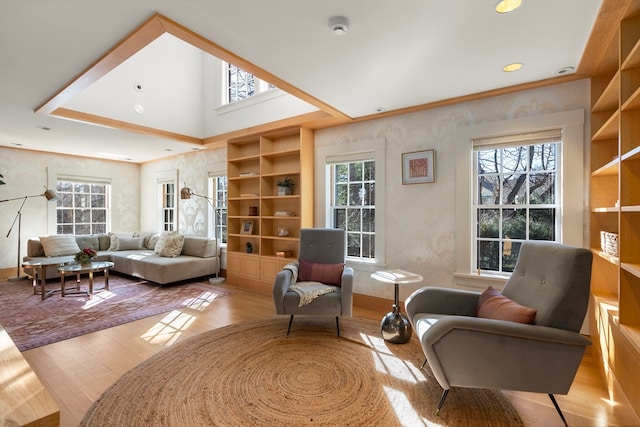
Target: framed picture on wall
[(247, 227), (419, 167)]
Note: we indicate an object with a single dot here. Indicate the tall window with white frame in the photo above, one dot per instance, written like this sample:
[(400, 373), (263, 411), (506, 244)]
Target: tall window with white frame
[(242, 84), (516, 196), (168, 205), (220, 207), (82, 207), (353, 205)]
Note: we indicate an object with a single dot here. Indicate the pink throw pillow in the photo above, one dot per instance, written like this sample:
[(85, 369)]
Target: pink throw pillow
[(493, 305), (329, 274)]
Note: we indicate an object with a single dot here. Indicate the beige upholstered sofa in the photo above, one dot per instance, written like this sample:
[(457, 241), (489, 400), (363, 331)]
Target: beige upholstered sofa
[(144, 255)]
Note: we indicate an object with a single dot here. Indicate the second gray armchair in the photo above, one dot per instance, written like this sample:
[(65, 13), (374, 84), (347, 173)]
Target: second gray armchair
[(322, 252)]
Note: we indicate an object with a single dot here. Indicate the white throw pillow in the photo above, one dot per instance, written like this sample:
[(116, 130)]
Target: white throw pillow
[(59, 245), (169, 244)]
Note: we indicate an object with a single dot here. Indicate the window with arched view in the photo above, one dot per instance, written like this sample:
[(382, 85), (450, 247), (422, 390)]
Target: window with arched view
[(516, 196)]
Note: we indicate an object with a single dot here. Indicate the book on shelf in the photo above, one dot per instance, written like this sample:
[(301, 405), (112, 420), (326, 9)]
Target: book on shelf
[(397, 275)]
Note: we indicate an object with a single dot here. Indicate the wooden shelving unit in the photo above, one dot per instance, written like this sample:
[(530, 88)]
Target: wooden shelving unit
[(254, 165), (615, 208)]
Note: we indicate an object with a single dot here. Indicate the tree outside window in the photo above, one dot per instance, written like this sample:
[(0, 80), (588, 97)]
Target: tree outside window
[(82, 208), (516, 200), (353, 206)]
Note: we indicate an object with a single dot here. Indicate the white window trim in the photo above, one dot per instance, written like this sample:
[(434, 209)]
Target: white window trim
[(370, 148), (572, 187), (210, 190), (161, 178), (54, 175)]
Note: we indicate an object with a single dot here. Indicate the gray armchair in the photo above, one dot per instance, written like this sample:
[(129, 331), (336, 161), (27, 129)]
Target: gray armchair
[(464, 350), (325, 246)]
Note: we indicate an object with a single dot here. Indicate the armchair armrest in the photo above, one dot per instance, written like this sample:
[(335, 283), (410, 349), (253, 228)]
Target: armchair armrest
[(280, 287), (442, 301), (346, 291)]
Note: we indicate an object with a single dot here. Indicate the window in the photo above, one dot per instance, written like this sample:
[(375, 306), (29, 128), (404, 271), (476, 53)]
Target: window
[(353, 205), (168, 206), (346, 178), (219, 184), (550, 196), (515, 197), (82, 207), (242, 85)]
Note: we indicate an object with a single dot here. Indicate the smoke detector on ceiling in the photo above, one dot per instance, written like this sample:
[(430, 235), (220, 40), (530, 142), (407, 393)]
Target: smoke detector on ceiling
[(338, 25)]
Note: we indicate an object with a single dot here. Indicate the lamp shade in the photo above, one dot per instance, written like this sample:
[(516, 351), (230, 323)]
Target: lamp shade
[(185, 193), (50, 195)]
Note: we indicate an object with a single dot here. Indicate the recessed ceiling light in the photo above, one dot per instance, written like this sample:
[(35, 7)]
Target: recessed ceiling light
[(137, 86), (506, 6), (512, 67), (44, 128), (168, 149), (139, 108), (380, 109), (17, 144), (338, 25), (566, 70)]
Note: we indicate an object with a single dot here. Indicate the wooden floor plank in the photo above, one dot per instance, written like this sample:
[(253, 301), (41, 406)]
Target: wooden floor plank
[(78, 370)]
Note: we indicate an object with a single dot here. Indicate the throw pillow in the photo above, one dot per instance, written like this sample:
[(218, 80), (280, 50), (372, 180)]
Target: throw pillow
[(152, 242), (114, 239), (129, 243), (490, 292), (499, 307), (88, 241), (59, 245), (329, 274), (169, 244)]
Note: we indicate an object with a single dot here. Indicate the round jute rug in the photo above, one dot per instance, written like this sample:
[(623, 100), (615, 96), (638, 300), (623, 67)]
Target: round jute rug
[(252, 374)]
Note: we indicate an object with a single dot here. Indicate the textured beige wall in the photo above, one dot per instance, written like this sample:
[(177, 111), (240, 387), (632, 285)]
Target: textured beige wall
[(420, 219), (28, 172)]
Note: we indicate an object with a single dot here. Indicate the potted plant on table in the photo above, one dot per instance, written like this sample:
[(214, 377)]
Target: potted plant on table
[(285, 186), (85, 256)]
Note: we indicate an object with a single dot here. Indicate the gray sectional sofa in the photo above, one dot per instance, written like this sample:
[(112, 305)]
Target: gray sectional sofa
[(138, 255)]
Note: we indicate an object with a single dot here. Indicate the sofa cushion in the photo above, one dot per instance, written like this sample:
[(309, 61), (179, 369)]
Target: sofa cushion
[(169, 244), (329, 274), (129, 243), (59, 245), (113, 246), (152, 241), (88, 241), (202, 247), (104, 241), (499, 307)]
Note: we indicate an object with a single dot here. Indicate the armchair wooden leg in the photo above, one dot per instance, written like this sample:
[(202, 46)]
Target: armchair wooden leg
[(553, 400), (290, 322), (338, 325), (442, 399)]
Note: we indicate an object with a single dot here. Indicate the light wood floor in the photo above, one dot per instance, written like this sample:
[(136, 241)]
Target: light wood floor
[(78, 370)]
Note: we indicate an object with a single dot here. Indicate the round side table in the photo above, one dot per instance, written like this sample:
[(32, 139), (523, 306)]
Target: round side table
[(395, 326)]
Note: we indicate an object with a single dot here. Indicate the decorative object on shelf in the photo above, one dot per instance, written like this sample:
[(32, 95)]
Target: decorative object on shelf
[(609, 243), (85, 256), (285, 186), (284, 213), (253, 211), (419, 167), (247, 227), (248, 247), (283, 232), (51, 196), (283, 254)]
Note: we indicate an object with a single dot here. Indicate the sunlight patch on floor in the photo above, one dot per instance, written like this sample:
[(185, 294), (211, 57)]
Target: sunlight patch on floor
[(169, 328), (407, 416), (387, 363), (200, 302), (97, 299)]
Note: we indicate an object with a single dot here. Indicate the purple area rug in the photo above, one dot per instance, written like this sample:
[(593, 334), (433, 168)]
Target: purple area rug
[(31, 322)]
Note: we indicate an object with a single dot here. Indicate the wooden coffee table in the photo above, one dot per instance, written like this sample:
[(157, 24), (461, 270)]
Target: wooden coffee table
[(77, 269)]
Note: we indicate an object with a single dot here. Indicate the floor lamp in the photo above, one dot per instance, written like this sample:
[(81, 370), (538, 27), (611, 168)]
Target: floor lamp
[(185, 194), (51, 196)]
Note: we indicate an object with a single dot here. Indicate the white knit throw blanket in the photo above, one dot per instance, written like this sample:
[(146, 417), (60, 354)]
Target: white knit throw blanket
[(308, 291)]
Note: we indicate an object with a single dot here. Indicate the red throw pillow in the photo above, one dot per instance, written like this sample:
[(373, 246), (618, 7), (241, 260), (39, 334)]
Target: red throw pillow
[(496, 306), (329, 274)]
